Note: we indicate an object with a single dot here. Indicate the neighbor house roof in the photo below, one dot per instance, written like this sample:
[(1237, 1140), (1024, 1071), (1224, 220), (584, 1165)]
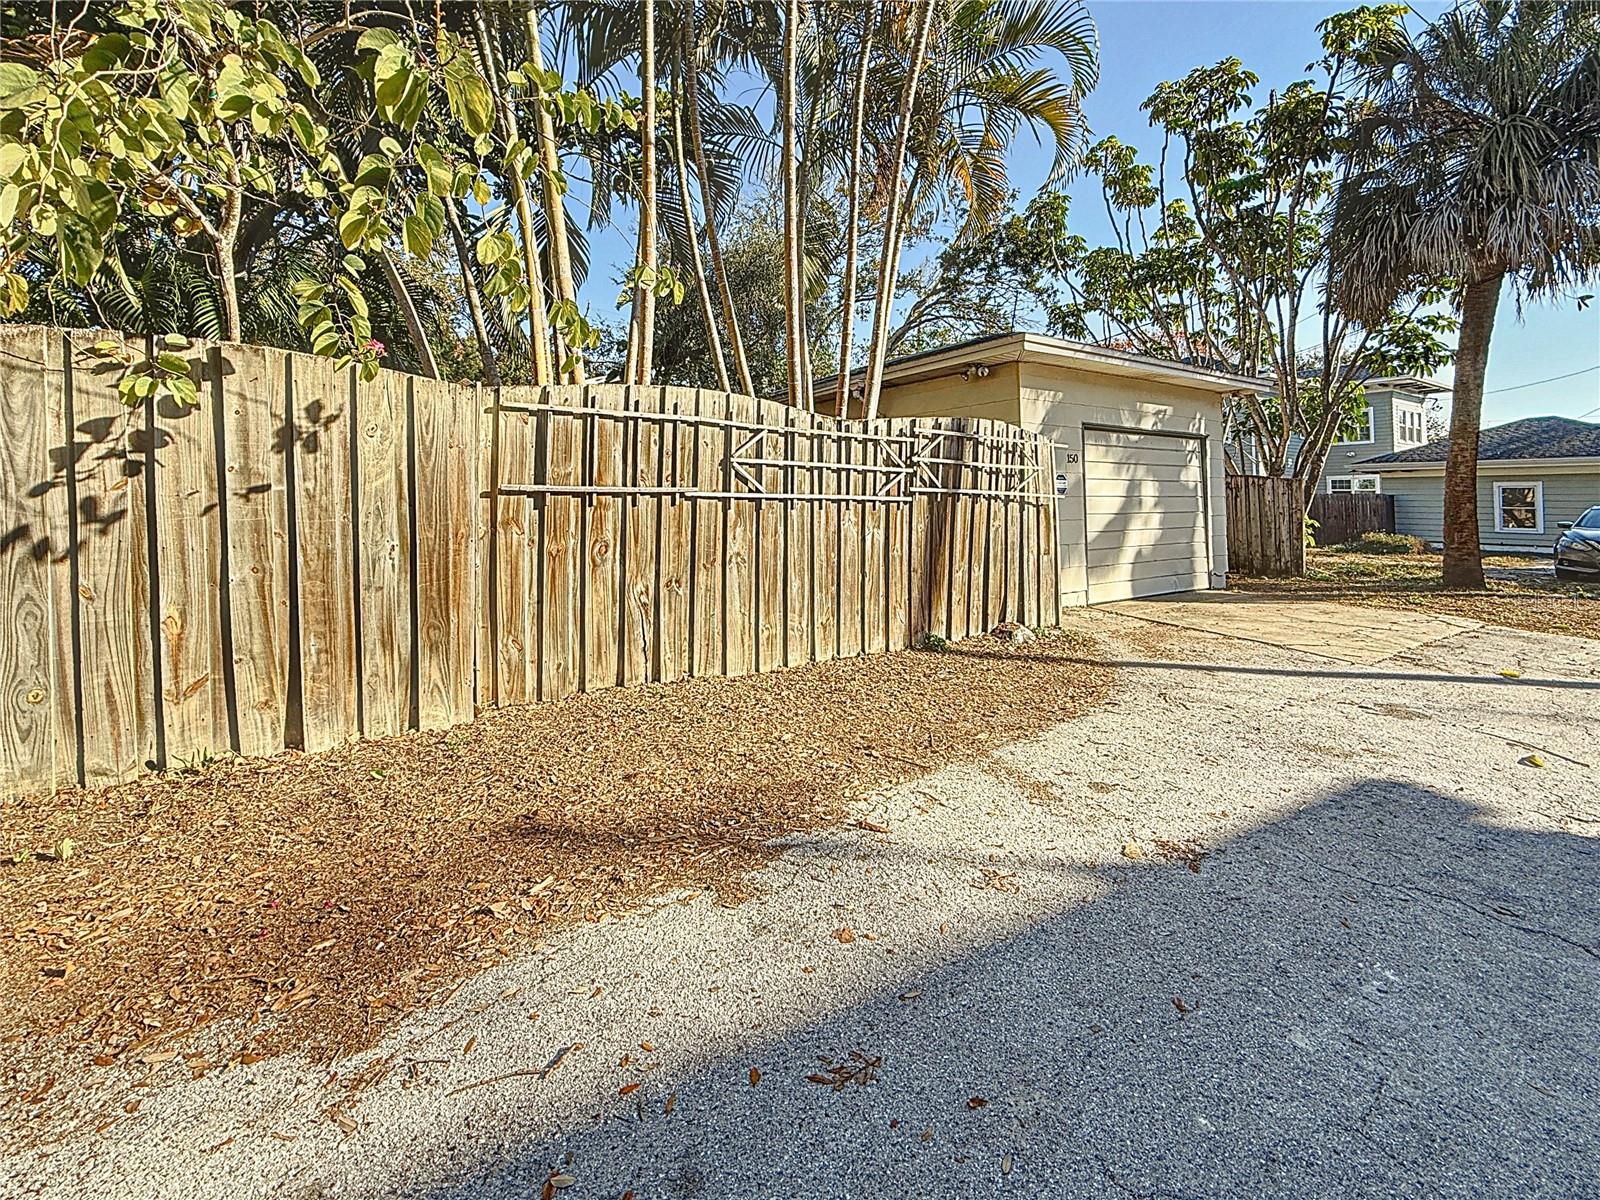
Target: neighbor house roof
[(1528, 440), (1000, 348)]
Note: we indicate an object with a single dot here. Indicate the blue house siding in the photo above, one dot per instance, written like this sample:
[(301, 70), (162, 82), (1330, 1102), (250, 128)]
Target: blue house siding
[(1419, 502)]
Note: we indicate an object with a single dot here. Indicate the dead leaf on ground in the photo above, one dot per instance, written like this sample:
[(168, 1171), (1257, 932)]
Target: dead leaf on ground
[(755, 1076), (859, 1068), (976, 1102), (844, 935)]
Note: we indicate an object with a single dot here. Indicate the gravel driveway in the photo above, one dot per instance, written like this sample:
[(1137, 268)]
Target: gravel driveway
[(1265, 925)]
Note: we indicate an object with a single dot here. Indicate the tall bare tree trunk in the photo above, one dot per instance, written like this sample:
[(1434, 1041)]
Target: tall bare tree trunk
[(538, 322), (642, 329), (889, 266), (1463, 557), (469, 286), (708, 208), (555, 208), (852, 230), (701, 289), (794, 287), (413, 319)]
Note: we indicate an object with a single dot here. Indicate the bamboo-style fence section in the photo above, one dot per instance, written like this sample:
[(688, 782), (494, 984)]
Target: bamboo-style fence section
[(304, 556)]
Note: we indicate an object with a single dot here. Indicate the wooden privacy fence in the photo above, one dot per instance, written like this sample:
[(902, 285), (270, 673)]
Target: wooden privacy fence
[(1266, 525), (305, 556), (1344, 516)]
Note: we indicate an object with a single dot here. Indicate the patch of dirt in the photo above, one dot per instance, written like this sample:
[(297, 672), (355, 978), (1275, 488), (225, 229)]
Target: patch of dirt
[(1517, 596), (306, 902)]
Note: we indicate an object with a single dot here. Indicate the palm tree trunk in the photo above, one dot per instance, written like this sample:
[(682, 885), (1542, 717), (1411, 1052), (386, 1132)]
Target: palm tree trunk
[(555, 208), (408, 309), (701, 289), (641, 333), (852, 231), (1463, 558), (889, 267), (538, 322), (708, 208), (469, 286), (794, 301)]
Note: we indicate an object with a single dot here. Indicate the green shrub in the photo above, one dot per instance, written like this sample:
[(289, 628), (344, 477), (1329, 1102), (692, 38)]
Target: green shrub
[(1385, 543)]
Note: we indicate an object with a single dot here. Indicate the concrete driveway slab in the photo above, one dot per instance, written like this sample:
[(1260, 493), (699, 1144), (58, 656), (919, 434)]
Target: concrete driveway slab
[(1349, 633)]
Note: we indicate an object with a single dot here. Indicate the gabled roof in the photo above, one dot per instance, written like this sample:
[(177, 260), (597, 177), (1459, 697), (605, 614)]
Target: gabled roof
[(1529, 438), (999, 348)]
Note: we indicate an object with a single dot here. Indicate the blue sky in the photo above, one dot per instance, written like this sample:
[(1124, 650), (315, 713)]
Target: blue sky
[(1144, 42)]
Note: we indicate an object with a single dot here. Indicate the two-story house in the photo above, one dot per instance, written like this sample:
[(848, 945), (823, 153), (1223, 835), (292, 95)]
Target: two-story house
[(1394, 419)]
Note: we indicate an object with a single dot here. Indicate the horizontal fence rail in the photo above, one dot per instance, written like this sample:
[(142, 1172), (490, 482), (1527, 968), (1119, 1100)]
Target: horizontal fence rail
[(304, 556)]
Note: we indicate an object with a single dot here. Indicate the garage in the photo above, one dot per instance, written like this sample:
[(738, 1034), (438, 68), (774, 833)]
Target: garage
[(1138, 473), (1144, 499)]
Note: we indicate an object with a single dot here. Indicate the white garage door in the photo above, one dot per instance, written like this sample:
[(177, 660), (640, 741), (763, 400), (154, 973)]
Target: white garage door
[(1144, 502)]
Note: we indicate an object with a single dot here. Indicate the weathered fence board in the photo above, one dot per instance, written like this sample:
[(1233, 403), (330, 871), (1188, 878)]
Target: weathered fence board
[(1266, 525), (108, 489), (1344, 517), (305, 556), (324, 580), (255, 472)]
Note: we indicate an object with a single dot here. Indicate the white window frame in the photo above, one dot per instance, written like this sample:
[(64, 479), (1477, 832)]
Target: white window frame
[(1419, 419), (1375, 490), (1371, 428), (1538, 505)]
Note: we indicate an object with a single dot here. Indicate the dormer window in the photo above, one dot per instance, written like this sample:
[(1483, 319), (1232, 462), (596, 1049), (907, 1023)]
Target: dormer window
[(1357, 428), (1410, 429)]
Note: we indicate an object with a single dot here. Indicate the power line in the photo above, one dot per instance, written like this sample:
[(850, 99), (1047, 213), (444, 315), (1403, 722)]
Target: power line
[(1517, 387)]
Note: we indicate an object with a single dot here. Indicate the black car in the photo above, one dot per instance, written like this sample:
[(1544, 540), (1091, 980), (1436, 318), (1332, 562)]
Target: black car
[(1578, 547)]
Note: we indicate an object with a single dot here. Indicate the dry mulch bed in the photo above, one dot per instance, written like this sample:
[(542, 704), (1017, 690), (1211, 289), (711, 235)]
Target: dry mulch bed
[(1521, 593), (304, 903)]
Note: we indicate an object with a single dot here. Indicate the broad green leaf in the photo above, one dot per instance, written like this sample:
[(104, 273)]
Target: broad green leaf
[(19, 85)]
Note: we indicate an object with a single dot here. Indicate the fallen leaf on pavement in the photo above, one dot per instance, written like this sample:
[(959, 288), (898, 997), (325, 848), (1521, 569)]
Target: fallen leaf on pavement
[(977, 1102), (844, 935), (1177, 1003), (627, 1089), (1532, 760), (1132, 849), (755, 1076)]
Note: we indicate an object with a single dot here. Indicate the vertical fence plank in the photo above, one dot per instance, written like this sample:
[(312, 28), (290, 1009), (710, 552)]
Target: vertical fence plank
[(919, 614), (796, 565), (603, 597), (874, 564), (38, 705), (519, 562), (384, 538), (637, 526), (825, 544), (446, 537), (675, 517), (850, 566), (769, 519), (188, 524), (255, 471), (898, 541), (325, 572), (739, 602), (708, 533), (560, 647), (108, 461)]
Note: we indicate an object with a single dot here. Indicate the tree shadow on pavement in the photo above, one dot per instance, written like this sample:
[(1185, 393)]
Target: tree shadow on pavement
[(1385, 994)]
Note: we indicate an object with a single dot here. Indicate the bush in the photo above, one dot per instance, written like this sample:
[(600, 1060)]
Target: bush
[(1385, 543)]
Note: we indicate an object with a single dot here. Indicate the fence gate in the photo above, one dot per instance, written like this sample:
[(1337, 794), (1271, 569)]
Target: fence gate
[(1266, 525)]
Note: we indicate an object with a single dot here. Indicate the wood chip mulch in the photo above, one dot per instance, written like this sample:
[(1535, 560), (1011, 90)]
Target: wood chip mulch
[(306, 902)]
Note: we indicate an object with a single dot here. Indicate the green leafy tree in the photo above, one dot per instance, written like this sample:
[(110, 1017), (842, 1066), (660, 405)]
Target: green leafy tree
[(1476, 151)]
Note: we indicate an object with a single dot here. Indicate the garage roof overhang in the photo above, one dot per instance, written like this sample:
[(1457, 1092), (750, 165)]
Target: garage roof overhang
[(1037, 348)]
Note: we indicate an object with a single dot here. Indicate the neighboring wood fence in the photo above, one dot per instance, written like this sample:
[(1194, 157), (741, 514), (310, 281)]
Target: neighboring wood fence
[(1345, 516), (1266, 525), (305, 556)]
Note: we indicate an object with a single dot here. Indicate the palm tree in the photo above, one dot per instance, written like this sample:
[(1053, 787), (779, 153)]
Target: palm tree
[(1476, 158), (889, 265), (641, 331), (794, 289), (852, 230)]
